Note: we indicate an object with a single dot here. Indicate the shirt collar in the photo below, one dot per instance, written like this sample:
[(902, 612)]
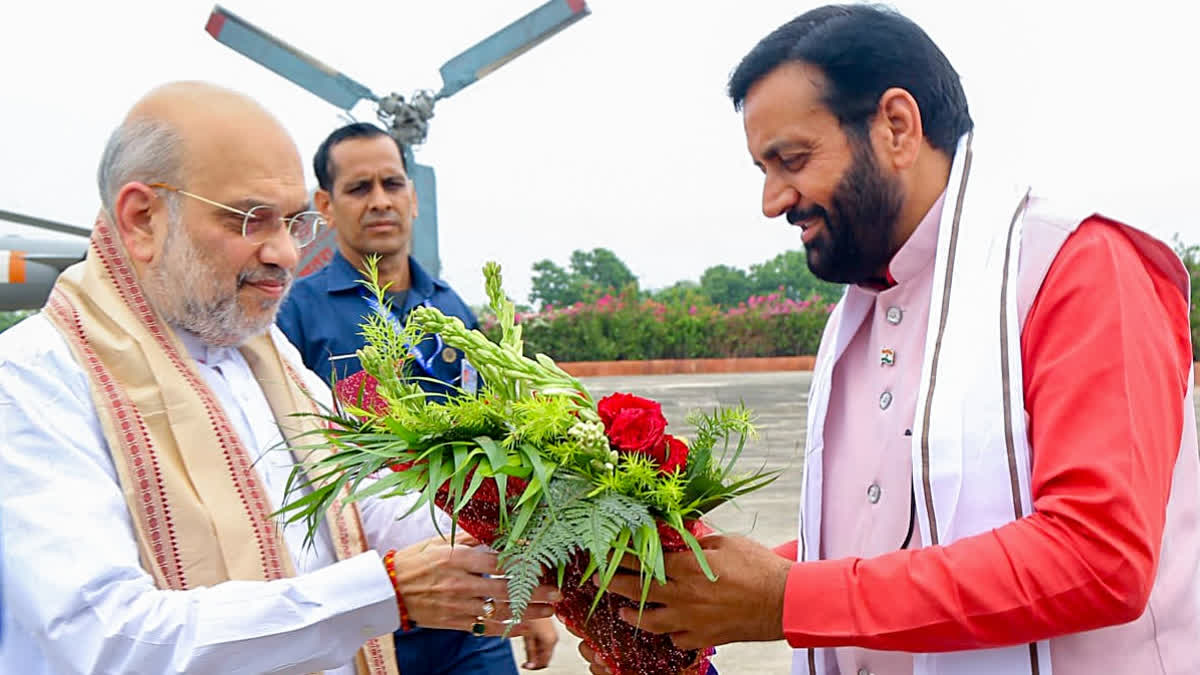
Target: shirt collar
[(342, 276), (202, 352), (916, 253)]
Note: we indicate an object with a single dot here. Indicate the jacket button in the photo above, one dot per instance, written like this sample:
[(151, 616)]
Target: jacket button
[(885, 400), (894, 315), (873, 493)]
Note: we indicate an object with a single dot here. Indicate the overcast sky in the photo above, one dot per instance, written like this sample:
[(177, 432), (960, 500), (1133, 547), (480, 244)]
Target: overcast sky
[(615, 133)]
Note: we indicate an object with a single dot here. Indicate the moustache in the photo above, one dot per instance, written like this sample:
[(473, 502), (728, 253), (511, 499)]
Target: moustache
[(390, 217), (276, 275), (800, 215)]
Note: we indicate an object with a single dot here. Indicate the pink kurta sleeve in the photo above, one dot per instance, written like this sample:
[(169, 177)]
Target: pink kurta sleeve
[(1106, 354)]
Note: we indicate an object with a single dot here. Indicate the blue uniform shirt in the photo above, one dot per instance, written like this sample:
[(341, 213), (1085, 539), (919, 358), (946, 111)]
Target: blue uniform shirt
[(322, 313)]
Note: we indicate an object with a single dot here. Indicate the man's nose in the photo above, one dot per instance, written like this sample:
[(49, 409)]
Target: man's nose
[(280, 249), (379, 199), (778, 197)]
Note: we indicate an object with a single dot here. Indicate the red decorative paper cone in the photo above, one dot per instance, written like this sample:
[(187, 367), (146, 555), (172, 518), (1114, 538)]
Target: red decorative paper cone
[(359, 390), (625, 649), (480, 516)]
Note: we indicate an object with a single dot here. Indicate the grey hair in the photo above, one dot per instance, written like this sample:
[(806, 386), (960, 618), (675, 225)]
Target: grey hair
[(142, 150)]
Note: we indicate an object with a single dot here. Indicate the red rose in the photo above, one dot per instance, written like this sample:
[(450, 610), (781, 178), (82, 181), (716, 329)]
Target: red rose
[(677, 453), (634, 424), (614, 404)]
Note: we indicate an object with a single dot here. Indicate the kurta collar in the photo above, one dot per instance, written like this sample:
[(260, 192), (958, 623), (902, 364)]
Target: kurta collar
[(916, 254), (202, 352)]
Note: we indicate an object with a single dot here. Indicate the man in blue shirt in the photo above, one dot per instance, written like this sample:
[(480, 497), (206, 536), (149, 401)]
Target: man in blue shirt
[(366, 195)]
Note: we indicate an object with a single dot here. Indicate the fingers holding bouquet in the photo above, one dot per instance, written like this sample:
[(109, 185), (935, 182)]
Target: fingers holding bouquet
[(596, 665), (462, 587), (744, 604), (539, 644)]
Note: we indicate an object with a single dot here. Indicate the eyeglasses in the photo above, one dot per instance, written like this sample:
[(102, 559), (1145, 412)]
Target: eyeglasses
[(262, 221)]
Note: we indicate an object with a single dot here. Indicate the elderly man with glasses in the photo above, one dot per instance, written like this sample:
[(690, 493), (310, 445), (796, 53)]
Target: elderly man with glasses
[(145, 414)]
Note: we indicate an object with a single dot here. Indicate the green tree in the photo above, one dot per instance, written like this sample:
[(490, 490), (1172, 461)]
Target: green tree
[(603, 269), (9, 319), (685, 292), (789, 271), (552, 285), (592, 274), (725, 285)]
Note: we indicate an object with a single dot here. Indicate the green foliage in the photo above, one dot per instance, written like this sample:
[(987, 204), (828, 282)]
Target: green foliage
[(1191, 260), (577, 522), (602, 268), (592, 274), (725, 285), (10, 319), (788, 273), (626, 327), (728, 428), (778, 308), (686, 292), (552, 285), (541, 419)]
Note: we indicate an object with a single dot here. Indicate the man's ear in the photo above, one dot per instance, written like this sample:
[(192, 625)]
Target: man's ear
[(897, 129), (141, 221), (323, 203)]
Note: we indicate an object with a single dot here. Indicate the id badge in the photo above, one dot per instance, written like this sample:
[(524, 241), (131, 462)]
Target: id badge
[(470, 377)]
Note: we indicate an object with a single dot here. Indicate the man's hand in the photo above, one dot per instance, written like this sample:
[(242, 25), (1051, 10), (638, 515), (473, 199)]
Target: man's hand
[(443, 587), (595, 663), (744, 604), (539, 644)]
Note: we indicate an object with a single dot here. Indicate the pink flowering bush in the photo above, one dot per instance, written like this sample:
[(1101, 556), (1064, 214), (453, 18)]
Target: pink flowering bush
[(629, 327)]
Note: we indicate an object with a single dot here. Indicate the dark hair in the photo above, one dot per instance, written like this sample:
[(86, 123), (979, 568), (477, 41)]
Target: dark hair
[(863, 50), (323, 164)]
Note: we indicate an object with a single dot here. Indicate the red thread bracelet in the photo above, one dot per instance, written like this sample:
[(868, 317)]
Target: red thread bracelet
[(389, 561)]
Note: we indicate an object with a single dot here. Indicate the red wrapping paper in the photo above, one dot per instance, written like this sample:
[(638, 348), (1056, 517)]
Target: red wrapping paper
[(625, 649)]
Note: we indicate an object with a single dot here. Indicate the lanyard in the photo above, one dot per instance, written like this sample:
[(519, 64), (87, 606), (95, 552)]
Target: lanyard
[(426, 363)]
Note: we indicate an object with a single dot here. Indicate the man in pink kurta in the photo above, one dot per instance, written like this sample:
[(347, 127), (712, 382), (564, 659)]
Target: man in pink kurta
[(859, 124)]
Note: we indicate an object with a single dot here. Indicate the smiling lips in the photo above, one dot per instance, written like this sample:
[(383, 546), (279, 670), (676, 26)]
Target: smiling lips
[(273, 283), (809, 228), (274, 289)]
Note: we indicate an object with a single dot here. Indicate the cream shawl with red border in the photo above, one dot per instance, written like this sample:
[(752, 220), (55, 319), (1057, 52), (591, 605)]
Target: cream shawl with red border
[(201, 513)]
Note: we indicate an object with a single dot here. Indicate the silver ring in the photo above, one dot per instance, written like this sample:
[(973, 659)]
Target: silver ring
[(489, 608)]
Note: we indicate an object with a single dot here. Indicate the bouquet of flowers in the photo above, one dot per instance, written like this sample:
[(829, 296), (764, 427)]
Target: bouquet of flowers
[(562, 487)]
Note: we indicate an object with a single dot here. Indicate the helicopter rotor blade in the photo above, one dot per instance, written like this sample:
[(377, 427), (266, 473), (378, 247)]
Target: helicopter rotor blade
[(284, 59), (508, 43), (45, 224)]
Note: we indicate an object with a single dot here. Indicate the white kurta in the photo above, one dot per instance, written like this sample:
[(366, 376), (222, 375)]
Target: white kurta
[(76, 597)]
